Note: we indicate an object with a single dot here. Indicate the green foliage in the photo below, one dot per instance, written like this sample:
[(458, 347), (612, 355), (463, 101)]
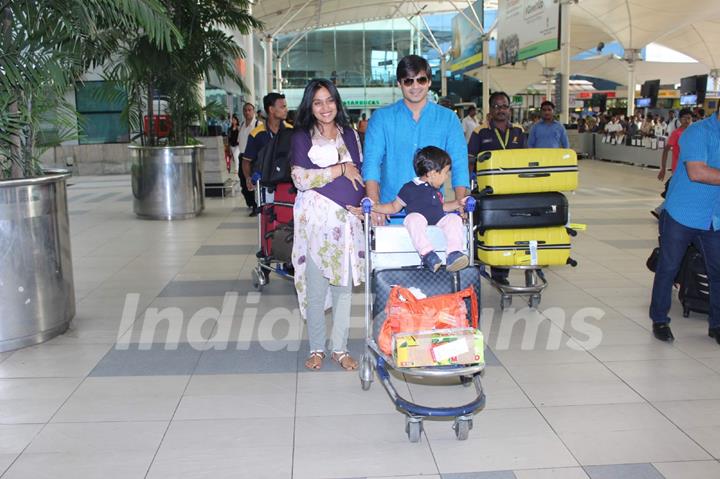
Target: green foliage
[(147, 70), (45, 46)]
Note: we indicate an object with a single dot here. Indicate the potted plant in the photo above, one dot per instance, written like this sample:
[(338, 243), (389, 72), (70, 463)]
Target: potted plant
[(167, 163), (45, 46)]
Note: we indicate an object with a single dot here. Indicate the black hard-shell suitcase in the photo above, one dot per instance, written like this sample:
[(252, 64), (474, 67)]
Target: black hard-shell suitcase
[(694, 291), (533, 210), (431, 284)]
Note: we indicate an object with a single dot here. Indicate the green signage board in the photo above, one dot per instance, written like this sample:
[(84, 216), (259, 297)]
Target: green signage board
[(367, 102)]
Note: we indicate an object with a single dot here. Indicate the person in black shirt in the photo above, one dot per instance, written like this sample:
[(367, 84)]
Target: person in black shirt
[(498, 134)]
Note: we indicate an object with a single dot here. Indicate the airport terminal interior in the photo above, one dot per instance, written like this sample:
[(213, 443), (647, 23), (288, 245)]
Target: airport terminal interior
[(177, 366), (116, 397)]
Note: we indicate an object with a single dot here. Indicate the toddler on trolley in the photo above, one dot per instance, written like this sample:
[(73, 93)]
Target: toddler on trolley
[(421, 318)]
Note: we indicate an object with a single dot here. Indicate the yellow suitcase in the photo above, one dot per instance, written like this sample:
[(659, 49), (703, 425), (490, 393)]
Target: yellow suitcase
[(532, 170), (525, 247)]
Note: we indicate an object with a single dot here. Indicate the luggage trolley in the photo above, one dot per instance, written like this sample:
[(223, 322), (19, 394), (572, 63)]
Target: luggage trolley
[(375, 360), (511, 172), (266, 263)]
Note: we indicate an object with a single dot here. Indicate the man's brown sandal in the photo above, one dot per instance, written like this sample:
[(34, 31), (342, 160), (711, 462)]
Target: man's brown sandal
[(314, 361), (344, 360)]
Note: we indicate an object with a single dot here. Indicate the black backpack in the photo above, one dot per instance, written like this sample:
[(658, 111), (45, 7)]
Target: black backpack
[(273, 160)]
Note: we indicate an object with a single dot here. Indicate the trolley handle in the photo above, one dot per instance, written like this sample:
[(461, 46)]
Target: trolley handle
[(470, 204), (366, 204), (256, 177)]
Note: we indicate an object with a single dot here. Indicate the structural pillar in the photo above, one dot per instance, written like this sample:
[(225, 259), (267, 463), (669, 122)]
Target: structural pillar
[(268, 63), (715, 75), (485, 78), (249, 79), (249, 41), (631, 56), (443, 76), (278, 75), (564, 99), (549, 74), (631, 89)]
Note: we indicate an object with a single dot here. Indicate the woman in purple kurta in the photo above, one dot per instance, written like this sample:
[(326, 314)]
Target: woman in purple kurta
[(329, 249)]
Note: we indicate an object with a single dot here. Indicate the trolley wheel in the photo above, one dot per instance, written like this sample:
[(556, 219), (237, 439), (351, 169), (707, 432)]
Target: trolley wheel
[(367, 368), (258, 281), (505, 301), (413, 428), (462, 428), (534, 301)]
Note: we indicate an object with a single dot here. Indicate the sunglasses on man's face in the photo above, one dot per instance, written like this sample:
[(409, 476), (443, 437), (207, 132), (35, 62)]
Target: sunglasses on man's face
[(422, 81), (501, 107)]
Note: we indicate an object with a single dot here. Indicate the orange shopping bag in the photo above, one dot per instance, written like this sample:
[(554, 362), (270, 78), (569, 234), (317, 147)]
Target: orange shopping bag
[(405, 313)]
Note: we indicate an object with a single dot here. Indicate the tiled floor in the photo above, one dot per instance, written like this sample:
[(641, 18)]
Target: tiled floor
[(175, 368)]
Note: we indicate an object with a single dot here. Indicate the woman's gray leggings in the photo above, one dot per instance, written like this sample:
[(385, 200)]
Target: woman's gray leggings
[(317, 286)]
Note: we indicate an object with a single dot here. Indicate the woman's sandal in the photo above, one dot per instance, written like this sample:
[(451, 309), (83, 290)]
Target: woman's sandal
[(345, 360), (314, 361)]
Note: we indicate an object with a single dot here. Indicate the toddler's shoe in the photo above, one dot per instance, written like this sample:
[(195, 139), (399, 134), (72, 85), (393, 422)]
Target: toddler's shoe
[(456, 261), (432, 261)]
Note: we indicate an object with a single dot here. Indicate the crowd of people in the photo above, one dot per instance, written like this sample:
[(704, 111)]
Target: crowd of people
[(402, 156), (649, 130)]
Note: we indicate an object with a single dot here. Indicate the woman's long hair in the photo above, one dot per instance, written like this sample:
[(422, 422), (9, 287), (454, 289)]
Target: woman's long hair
[(305, 119)]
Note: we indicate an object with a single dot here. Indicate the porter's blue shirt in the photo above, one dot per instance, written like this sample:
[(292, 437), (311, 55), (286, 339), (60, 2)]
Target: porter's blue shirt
[(693, 204), (548, 135)]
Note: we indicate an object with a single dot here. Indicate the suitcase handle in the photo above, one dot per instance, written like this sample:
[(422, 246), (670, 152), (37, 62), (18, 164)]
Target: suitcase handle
[(533, 175), (529, 214), (524, 243), (484, 156)]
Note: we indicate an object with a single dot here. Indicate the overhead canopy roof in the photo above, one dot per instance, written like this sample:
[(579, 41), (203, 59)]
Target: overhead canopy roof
[(636, 23), (522, 75), (690, 28), (282, 16), (699, 40)]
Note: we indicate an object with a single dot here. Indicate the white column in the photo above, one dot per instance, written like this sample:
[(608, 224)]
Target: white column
[(443, 77), (485, 79), (715, 75), (278, 75), (548, 74), (268, 63), (249, 78), (631, 89), (249, 42), (564, 99)]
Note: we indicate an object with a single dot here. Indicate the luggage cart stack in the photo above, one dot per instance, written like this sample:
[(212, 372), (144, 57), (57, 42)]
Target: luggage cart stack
[(521, 216), (275, 203), (391, 260)]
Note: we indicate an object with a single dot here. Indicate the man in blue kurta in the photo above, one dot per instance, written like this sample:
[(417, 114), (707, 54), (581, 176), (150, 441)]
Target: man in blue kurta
[(691, 214), (397, 131), (548, 133)]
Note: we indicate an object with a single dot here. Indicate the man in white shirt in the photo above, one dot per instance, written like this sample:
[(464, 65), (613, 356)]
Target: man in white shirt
[(673, 123), (469, 123), (248, 124)]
